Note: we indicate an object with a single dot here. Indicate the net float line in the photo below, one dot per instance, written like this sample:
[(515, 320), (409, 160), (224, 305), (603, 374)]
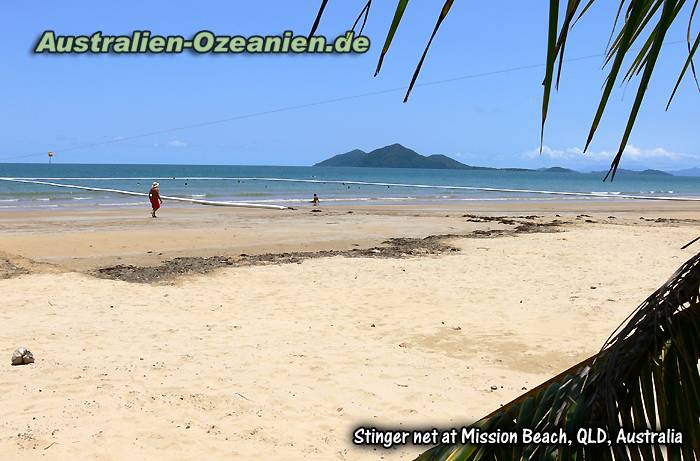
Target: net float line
[(141, 194), (383, 184)]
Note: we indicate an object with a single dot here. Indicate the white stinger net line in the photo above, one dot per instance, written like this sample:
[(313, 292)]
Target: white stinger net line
[(141, 194), (607, 195)]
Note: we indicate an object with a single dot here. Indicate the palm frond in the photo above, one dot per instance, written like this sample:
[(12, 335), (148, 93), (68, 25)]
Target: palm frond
[(690, 26), (645, 377), (638, 20), (443, 14), (563, 34), (365, 12), (319, 15), (551, 60), (688, 61), (395, 22), (691, 52), (651, 57), (641, 60), (631, 22)]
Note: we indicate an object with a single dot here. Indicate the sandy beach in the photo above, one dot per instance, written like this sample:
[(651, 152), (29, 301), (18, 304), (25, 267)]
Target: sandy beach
[(214, 333)]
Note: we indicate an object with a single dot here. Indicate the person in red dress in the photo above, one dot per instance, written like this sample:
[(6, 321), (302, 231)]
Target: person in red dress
[(154, 197)]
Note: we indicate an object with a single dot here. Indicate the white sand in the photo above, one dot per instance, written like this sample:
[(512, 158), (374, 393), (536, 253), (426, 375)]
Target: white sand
[(283, 360)]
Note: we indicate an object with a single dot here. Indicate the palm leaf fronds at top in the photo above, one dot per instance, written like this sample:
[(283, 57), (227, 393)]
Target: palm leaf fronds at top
[(319, 15), (398, 15), (646, 377), (363, 14), (443, 14), (401, 6), (644, 22)]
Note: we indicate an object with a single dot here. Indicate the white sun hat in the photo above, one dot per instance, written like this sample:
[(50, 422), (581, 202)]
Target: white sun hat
[(155, 184)]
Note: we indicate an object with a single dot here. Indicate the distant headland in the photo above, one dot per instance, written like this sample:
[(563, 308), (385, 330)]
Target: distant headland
[(398, 156)]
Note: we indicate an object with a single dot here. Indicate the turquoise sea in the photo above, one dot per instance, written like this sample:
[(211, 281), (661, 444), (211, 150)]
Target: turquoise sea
[(172, 182)]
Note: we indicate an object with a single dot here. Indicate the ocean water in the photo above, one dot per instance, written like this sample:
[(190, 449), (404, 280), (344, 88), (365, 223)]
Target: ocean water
[(170, 177)]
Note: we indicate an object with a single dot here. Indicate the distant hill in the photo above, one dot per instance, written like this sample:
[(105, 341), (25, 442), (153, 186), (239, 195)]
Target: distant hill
[(352, 158), (452, 163), (648, 172), (393, 156), (651, 172), (557, 169), (398, 156), (687, 172)]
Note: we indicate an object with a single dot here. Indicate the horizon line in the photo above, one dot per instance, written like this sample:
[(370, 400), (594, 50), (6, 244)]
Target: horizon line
[(358, 167)]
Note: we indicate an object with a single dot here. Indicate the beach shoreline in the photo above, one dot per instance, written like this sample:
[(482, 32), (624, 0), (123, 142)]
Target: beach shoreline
[(88, 238)]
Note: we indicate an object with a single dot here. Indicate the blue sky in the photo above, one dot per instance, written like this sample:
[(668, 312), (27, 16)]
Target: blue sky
[(52, 102)]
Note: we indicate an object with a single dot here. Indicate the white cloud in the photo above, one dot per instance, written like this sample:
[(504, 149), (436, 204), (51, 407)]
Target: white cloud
[(554, 153), (635, 153), (631, 153), (178, 143)]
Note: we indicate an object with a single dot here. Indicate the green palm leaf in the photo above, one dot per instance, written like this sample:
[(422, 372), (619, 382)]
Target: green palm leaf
[(443, 14), (625, 43), (664, 24), (638, 18), (551, 60), (688, 61), (398, 14), (641, 60), (363, 14), (317, 21), (690, 25)]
